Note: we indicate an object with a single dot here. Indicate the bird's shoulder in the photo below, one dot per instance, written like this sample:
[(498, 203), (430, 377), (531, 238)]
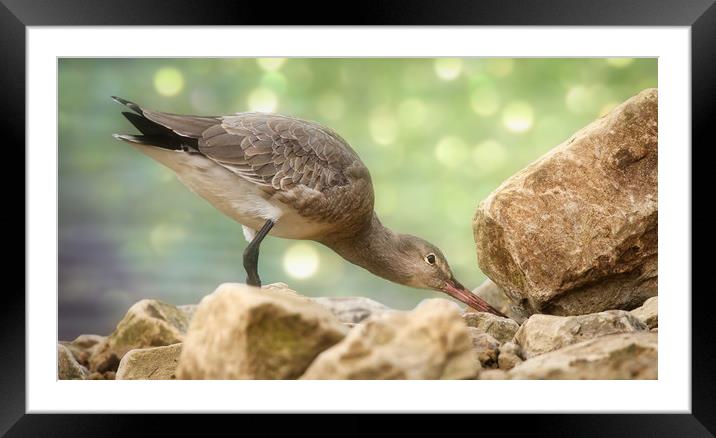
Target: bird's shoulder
[(281, 152)]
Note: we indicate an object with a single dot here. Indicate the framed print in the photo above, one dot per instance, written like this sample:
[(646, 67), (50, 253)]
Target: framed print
[(462, 218)]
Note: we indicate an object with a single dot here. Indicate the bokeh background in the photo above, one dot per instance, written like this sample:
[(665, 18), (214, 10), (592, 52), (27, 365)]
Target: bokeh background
[(438, 135)]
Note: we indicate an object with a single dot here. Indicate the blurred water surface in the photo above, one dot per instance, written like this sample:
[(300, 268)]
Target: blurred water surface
[(438, 135)]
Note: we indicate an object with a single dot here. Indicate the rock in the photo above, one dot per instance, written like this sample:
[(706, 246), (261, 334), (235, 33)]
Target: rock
[(619, 356), (485, 346), (158, 363), (429, 342), (510, 355), (282, 288), (543, 333), (351, 309), (107, 375), (502, 329), (498, 299), (67, 366), (188, 309), (576, 231), (507, 361), (83, 347), (454, 303), (242, 332), (86, 342), (83, 358), (648, 313), (494, 375), (148, 323), (512, 348)]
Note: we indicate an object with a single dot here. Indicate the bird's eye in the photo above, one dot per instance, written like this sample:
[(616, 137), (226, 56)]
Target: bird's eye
[(430, 258)]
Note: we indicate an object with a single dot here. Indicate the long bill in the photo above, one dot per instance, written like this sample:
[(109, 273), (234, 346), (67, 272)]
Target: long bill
[(459, 292)]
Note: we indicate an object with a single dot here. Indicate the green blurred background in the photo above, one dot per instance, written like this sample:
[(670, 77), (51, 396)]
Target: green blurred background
[(438, 135)]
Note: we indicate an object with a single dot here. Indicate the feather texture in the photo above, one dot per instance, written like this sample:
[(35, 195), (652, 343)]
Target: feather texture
[(279, 151)]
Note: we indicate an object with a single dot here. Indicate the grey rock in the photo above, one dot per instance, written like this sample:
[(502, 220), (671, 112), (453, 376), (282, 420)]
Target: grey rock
[(648, 313), (544, 333), (67, 366), (351, 310), (502, 329), (620, 356)]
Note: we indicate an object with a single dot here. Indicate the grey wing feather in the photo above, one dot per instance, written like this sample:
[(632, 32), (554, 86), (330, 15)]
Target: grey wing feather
[(279, 152), (187, 126)]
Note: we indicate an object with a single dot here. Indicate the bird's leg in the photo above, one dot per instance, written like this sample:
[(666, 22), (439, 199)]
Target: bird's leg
[(251, 255)]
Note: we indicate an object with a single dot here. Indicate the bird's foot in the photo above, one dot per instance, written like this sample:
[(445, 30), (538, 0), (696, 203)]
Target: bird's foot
[(253, 280)]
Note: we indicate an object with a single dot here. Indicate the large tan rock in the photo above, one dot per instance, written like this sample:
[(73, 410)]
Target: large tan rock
[(620, 356), (148, 323), (648, 313), (242, 332), (576, 231), (429, 342), (67, 366), (190, 309), (543, 333), (157, 363)]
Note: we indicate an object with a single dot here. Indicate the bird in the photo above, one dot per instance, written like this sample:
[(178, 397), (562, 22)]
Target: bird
[(290, 178)]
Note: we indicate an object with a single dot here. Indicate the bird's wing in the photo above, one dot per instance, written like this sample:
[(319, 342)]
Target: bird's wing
[(279, 152)]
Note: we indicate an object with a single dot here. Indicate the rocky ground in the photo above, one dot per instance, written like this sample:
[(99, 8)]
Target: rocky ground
[(570, 246)]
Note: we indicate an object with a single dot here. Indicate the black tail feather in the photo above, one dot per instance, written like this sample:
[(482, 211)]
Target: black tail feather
[(153, 134), (145, 126), (131, 105)]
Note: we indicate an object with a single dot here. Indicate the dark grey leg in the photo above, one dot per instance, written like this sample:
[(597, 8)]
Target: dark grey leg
[(251, 255)]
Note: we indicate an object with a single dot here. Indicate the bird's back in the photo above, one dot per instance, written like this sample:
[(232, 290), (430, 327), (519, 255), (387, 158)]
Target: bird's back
[(280, 151), (306, 169)]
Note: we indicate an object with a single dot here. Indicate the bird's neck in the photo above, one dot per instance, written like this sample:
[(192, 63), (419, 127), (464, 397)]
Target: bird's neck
[(375, 248)]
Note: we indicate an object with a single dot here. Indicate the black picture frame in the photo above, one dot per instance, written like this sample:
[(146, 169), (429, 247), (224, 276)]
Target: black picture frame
[(16, 15)]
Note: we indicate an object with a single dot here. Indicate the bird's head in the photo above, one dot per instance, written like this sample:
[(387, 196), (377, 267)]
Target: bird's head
[(426, 267)]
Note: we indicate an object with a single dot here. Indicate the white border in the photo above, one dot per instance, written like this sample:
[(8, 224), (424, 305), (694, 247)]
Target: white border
[(671, 393)]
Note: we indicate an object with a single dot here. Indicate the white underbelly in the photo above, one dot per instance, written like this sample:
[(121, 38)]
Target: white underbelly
[(234, 196)]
